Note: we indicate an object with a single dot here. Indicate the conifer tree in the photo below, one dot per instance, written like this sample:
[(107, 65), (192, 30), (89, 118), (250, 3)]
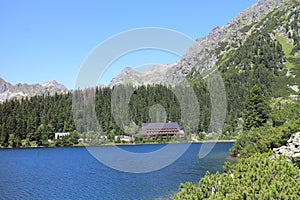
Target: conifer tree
[(256, 108)]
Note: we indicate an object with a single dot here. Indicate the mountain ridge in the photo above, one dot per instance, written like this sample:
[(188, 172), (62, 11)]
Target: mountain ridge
[(9, 91), (203, 56)]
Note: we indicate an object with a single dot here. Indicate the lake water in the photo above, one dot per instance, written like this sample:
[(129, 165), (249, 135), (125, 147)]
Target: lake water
[(73, 173)]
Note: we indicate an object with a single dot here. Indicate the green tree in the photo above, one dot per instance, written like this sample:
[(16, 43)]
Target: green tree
[(201, 135), (42, 134), (11, 140), (256, 108), (74, 137)]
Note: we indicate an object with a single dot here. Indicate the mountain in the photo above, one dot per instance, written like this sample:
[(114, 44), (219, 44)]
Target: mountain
[(208, 51), (18, 91), (54, 84), (153, 75)]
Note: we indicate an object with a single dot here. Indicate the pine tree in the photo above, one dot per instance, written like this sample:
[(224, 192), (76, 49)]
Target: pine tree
[(256, 108)]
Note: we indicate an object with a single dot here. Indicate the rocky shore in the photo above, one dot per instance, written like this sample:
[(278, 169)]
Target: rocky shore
[(291, 149)]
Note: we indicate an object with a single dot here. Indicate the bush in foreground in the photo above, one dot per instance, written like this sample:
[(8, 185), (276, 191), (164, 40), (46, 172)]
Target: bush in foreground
[(257, 177)]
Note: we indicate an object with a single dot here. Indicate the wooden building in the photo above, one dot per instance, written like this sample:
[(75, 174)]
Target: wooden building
[(151, 131)]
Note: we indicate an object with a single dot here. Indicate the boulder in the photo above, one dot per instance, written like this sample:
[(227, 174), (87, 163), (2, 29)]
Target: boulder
[(291, 149)]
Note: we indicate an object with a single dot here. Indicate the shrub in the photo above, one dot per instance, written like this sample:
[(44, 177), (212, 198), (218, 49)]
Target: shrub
[(257, 177)]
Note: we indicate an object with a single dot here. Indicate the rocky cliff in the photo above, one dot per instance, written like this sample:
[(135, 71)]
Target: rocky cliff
[(18, 91)]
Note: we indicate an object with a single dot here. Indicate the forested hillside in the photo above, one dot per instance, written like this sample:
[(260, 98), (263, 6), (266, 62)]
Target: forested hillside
[(269, 57), (38, 118), (35, 119)]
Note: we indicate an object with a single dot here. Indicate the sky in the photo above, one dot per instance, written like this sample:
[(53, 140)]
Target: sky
[(50, 40)]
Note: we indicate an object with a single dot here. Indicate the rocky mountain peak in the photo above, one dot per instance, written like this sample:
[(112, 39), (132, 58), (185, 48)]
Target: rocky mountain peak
[(54, 84), (18, 91), (128, 72), (4, 86)]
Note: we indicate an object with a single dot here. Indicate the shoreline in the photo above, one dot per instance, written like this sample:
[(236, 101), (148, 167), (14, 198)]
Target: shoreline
[(123, 144), (205, 141)]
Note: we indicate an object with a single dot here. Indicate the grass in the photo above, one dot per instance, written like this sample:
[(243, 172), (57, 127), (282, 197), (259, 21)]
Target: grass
[(246, 28), (287, 48), (243, 21)]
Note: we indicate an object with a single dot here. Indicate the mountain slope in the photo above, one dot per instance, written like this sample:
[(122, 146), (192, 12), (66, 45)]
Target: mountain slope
[(206, 51), (18, 91)]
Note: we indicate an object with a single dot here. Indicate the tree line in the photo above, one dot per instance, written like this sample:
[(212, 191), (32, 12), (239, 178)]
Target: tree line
[(36, 119)]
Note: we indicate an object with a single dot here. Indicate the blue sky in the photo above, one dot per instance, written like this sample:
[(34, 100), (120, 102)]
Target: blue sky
[(46, 40)]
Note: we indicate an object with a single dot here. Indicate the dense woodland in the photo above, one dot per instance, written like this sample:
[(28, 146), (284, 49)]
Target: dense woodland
[(37, 119)]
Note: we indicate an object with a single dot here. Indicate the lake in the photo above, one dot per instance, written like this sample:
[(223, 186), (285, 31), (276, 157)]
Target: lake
[(73, 173)]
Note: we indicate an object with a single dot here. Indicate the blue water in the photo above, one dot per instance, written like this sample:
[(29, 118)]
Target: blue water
[(73, 173)]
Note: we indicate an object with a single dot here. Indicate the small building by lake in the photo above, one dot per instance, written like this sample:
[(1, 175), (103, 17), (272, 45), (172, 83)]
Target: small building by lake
[(124, 138), (60, 135)]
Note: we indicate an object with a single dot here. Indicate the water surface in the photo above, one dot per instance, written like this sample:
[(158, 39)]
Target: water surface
[(73, 173)]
